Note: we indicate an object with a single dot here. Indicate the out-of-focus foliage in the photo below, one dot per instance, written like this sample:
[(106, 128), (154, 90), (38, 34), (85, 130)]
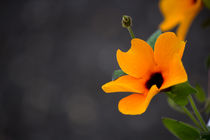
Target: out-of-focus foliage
[(207, 3), (173, 105), (152, 39), (117, 73), (179, 93), (181, 130), (207, 106), (200, 94), (205, 136)]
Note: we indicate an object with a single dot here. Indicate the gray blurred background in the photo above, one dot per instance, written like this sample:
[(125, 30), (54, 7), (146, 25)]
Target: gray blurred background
[(54, 57)]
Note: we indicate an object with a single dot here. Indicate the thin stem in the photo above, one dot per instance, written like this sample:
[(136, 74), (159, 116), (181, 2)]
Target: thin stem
[(209, 83), (131, 32), (197, 113), (190, 115)]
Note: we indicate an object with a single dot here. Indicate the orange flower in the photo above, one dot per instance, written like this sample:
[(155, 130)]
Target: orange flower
[(148, 72), (180, 12)]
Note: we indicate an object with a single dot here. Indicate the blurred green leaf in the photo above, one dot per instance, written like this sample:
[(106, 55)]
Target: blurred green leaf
[(152, 39), (208, 128), (181, 130), (117, 73), (205, 136), (207, 3), (180, 92), (207, 106), (174, 106), (179, 100), (200, 94)]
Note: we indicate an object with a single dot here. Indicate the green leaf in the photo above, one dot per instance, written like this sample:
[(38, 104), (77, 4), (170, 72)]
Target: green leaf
[(207, 3), (200, 95), (117, 73), (181, 130), (180, 92), (178, 99), (174, 106), (208, 128), (207, 106), (152, 39), (205, 136)]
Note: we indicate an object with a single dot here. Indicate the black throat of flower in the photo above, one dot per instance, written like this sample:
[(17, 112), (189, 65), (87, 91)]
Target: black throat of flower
[(194, 1), (155, 79)]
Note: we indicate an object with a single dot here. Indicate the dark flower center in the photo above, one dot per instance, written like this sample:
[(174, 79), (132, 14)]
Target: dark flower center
[(194, 1), (155, 79)]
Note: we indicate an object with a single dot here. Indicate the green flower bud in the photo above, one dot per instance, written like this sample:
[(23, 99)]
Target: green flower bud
[(126, 21)]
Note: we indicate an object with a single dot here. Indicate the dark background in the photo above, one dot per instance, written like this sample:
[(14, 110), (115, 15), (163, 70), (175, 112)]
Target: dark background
[(54, 57)]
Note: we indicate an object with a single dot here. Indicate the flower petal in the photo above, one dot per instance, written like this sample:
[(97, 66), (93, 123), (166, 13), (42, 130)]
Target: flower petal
[(187, 21), (175, 74), (173, 13), (176, 11), (169, 23), (166, 46), (125, 84), (136, 104), (184, 27), (138, 60)]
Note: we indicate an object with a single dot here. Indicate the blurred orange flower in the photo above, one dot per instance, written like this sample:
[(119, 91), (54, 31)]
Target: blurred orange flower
[(180, 12), (148, 72)]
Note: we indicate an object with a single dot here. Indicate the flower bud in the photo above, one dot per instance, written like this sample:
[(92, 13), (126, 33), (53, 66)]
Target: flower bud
[(126, 21)]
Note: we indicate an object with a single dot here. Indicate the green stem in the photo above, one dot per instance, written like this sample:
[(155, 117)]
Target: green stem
[(197, 113), (131, 32), (190, 115)]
